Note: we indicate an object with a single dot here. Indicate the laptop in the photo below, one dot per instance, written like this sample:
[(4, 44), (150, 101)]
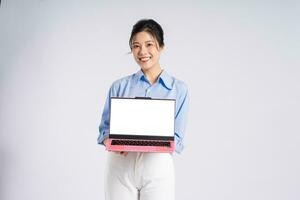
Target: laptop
[(141, 124)]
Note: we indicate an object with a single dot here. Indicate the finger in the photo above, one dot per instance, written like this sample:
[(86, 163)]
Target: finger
[(123, 153)]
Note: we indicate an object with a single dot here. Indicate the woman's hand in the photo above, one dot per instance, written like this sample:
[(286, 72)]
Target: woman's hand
[(123, 153)]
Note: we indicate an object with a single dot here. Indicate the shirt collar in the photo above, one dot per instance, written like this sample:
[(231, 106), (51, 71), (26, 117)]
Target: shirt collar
[(163, 78), (140, 75), (166, 79)]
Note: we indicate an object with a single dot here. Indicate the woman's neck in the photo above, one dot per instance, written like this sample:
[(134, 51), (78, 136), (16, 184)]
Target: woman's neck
[(153, 74)]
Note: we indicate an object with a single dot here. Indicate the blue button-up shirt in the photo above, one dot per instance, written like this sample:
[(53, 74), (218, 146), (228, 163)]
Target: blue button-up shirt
[(137, 85)]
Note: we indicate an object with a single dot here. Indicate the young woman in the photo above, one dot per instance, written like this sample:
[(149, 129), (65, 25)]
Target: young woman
[(135, 175)]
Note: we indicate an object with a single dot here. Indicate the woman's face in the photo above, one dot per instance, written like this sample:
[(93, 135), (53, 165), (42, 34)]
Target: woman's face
[(146, 51)]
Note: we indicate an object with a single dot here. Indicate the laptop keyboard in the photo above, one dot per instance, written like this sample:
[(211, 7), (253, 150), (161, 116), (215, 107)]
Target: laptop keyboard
[(140, 143)]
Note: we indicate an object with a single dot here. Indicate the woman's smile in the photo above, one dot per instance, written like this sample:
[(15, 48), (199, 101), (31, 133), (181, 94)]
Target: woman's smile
[(145, 59)]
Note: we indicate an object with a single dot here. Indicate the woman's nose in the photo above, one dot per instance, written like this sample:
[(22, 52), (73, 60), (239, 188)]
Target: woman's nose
[(143, 50)]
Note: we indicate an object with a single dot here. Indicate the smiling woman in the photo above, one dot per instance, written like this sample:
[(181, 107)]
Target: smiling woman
[(146, 43), (133, 175), (147, 52), (240, 60)]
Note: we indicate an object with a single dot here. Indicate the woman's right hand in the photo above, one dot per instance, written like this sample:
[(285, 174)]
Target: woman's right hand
[(123, 153)]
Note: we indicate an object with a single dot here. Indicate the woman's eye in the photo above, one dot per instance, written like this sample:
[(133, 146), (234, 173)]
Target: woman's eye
[(149, 44), (135, 46)]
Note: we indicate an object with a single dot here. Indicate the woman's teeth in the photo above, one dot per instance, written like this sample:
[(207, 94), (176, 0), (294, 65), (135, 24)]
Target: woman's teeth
[(145, 59)]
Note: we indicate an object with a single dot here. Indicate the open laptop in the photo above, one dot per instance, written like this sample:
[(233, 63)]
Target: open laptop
[(141, 124)]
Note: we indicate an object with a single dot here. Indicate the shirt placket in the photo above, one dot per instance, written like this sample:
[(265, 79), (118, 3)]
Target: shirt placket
[(148, 90)]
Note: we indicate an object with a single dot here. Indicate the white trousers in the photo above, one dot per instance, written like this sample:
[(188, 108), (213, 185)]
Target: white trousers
[(139, 176)]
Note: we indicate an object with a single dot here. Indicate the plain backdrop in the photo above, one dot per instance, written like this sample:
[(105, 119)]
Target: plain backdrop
[(240, 60)]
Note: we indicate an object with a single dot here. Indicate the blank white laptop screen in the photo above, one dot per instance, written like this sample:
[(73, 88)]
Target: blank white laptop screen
[(150, 117)]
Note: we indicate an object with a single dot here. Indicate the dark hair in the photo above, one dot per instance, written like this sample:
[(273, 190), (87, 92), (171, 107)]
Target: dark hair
[(150, 26)]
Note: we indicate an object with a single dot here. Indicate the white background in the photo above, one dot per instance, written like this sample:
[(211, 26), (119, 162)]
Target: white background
[(240, 60)]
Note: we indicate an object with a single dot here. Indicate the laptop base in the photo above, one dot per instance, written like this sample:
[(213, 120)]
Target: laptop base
[(132, 148)]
